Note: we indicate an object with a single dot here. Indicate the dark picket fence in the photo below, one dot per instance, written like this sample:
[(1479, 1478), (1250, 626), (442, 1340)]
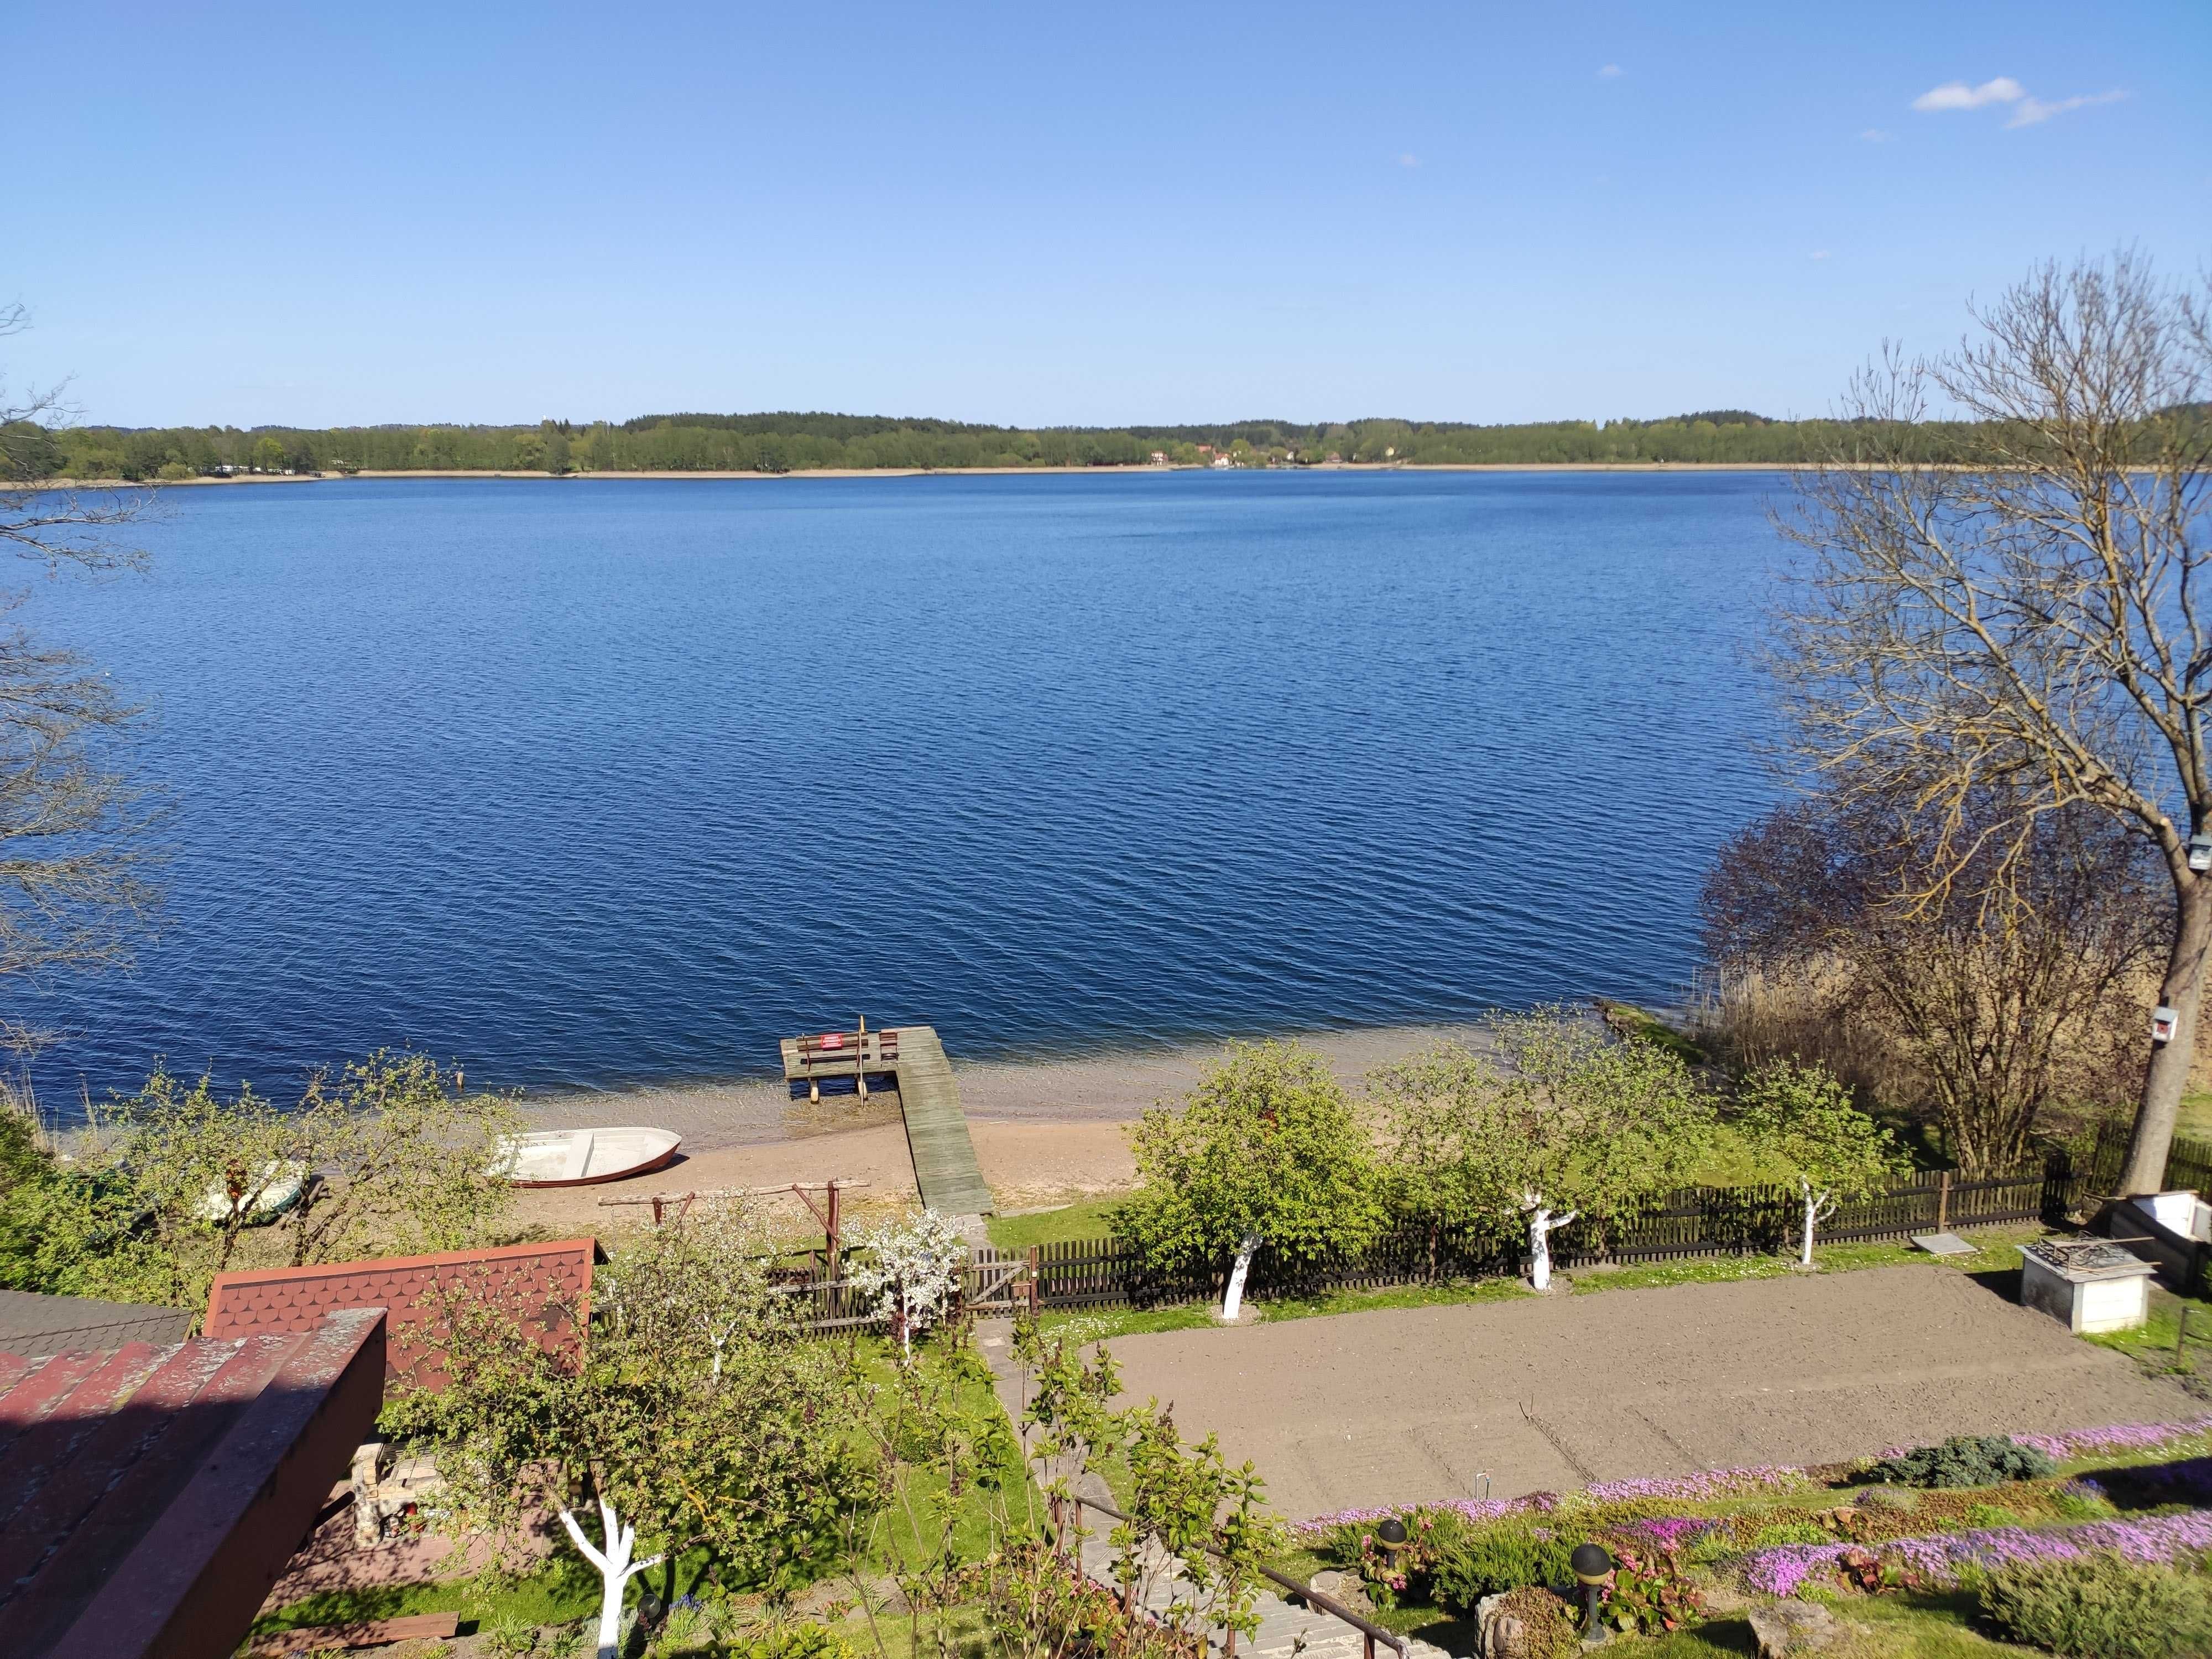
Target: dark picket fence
[(1693, 1223), (2188, 1164)]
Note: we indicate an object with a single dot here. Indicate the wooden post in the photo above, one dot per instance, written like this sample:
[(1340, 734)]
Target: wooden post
[(1943, 1202), (1033, 1281), (2180, 1335), (836, 1236)]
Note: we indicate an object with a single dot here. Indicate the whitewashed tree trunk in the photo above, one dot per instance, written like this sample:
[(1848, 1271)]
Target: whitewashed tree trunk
[(1818, 1206), (616, 1569), (1232, 1300), (1542, 1224)]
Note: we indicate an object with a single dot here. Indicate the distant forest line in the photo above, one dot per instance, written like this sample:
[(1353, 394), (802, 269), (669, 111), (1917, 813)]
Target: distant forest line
[(796, 443)]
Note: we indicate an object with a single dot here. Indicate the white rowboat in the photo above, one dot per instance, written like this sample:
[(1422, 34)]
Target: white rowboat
[(274, 1189), (582, 1157)]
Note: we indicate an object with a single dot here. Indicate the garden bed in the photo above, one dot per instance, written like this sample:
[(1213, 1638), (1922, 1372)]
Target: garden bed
[(1907, 1564)]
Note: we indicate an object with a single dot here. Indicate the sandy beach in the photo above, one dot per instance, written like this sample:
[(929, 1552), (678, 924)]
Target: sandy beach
[(1046, 1130)]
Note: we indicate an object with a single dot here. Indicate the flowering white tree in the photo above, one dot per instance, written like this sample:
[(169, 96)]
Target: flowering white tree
[(912, 1267)]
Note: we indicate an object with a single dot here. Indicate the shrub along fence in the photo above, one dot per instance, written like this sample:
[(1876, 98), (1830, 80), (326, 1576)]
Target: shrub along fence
[(1695, 1222)]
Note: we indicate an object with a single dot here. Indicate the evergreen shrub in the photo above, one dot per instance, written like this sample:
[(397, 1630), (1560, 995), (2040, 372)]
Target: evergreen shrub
[(2101, 1607), (1965, 1459)]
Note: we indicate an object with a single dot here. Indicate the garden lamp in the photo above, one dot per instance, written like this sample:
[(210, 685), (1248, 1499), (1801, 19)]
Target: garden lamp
[(2200, 852), (1593, 1568), (1391, 1534)]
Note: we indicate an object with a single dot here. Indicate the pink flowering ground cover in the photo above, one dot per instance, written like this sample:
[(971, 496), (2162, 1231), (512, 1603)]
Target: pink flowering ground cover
[(2114, 1438), (1782, 1570), (1703, 1484)]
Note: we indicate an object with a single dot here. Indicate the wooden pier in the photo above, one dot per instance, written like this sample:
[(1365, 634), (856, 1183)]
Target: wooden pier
[(944, 1167)]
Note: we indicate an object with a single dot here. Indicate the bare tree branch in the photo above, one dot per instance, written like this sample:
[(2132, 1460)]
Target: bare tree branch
[(73, 886), (2025, 624)]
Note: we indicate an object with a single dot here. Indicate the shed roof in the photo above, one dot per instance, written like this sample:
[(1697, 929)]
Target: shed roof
[(549, 1285), (34, 1327), (150, 1496)]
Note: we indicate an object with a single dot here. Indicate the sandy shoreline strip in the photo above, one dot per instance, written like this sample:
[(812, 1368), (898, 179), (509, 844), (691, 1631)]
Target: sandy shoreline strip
[(1046, 1130)]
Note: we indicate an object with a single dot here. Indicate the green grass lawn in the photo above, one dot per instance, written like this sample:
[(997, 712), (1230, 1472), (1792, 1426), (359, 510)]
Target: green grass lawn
[(1996, 1253), (1089, 1220)]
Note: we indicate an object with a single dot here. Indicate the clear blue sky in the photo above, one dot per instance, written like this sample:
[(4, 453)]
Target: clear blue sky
[(1056, 214)]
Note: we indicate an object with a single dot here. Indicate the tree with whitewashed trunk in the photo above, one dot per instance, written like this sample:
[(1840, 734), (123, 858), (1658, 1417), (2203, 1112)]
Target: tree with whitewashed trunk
[(1803, 1124), (1562, 1119), (1267, 1150), (912, 1267), (687, 1436)]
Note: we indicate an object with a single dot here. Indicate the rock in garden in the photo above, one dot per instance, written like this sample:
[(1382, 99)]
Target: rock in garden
[(1345, 1587), (1791, 1628)]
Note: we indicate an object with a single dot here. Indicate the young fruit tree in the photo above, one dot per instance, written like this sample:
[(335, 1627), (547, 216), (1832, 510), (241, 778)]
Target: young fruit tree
[(912, 1267), (2030, 613), (1565, 1119), (1800, 1119), (1266, 1150), (679, 1430)]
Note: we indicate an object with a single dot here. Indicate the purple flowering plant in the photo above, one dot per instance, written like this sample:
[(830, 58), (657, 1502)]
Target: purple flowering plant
[(1939, 1558)]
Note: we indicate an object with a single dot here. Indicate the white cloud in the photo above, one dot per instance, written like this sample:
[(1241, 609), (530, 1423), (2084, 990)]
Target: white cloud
[(2026, 111), (1409, 160), (1957, 95), (2032, 110), (1610, 72)]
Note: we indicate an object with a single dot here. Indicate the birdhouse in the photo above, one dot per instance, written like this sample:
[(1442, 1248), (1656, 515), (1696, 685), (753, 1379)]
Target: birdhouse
[(2162, 1022), (2200, 852)]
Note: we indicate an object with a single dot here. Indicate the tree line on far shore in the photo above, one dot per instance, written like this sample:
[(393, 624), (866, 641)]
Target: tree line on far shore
[(811, 442)]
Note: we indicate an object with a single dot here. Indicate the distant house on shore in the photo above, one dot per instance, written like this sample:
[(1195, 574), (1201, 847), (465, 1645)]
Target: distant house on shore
[(1221, 460), (1159, 458)]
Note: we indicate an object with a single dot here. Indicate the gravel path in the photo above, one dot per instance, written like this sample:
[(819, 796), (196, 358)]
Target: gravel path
[(1408, 1404)]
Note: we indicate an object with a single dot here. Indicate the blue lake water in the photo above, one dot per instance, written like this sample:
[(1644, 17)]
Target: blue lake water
[(589, 784)]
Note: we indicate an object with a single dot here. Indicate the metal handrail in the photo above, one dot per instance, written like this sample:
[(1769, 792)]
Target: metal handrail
[(1327, 1603)]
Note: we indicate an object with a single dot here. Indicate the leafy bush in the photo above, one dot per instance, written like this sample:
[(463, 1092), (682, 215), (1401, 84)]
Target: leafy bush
[(2100, 1606), (1651, 1596), (1965, 1459), (2081, 1500), (1505, 1555), (1900, 1498), (801, 1641)]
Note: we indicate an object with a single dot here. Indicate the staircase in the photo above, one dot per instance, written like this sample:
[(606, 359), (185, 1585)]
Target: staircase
[(1290, 1627)]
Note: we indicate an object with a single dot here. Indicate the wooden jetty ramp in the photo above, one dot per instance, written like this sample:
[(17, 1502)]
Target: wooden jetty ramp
[(944, 1167)]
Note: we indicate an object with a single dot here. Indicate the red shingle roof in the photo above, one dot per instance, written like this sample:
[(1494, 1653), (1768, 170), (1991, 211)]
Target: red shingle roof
[(544, 1282), (149, 1497)]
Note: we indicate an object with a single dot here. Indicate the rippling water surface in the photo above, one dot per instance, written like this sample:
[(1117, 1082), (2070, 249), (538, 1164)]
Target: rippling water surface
[(607, 783)]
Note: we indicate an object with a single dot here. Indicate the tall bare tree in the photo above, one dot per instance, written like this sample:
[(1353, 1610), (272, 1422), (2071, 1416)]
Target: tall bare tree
[(72, 864), (1982, 1011), (2031, 616)]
